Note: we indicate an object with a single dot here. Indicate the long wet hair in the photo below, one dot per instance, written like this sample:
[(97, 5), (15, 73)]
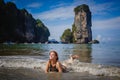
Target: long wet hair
[(56, 54)]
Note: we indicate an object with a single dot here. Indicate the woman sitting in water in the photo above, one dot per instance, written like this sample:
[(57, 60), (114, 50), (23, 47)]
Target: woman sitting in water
[(53, 65)]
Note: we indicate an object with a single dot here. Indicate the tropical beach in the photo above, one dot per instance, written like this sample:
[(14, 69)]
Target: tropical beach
[(87, 29), (31, 63), (29, 74)]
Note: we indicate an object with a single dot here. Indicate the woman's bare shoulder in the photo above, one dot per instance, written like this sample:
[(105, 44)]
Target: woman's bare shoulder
[(48, 62)]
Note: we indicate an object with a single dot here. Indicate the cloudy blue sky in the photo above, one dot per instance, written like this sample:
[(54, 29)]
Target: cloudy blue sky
[(58, 15)]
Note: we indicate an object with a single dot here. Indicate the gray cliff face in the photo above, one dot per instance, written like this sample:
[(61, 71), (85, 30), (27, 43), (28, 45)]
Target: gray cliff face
[(25, 29), (17, 25), (30, 25), (82, 21)]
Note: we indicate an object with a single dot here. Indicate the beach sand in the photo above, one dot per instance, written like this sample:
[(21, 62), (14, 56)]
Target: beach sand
[(37, 74)]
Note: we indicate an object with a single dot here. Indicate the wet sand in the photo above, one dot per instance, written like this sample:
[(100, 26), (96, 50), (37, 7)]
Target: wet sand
[(37, 74)]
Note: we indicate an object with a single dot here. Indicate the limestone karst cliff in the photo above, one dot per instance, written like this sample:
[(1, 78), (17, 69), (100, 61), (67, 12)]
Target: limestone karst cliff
[(18, 25), (81, 28), (82, 24)]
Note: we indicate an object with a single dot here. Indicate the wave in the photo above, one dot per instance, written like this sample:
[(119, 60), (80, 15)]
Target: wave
[(72, 65), (20, 61), (94, 69)]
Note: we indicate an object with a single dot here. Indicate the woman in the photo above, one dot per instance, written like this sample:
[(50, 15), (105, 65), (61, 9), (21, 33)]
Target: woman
[(53, 65)]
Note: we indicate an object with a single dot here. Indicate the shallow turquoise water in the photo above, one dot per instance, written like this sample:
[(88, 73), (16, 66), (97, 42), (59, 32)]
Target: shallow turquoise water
[(103, 53), (17, 61)]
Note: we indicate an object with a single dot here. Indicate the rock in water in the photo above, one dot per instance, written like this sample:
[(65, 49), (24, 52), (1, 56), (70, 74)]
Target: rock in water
[(82, 23)]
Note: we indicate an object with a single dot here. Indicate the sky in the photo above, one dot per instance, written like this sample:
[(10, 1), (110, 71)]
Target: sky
[(58, 15)]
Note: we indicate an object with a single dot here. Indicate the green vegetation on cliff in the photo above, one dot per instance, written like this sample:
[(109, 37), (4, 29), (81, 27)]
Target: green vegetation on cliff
[(17, 25), (41, 31), (73, 30), (42, 27), (81, 7), (67, 36)]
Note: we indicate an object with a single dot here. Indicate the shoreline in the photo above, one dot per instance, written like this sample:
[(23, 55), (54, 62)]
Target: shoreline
[(72, 66), (36, 74)]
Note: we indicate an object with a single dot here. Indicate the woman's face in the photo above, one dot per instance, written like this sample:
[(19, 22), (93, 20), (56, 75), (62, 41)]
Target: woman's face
[(52, 55)]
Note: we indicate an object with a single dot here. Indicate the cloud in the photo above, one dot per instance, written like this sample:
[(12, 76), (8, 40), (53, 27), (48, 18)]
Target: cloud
[(57, 13), (14, 1), (97, 8), (57, 30), (103, 38), (101, 9), (98, 37), (34, 5), (107, 24), (106, 30), (64, 11)]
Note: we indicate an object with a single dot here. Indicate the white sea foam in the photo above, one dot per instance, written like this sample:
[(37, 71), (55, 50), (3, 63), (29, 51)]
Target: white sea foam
[(94, 69), (27, 62), (72, 66)]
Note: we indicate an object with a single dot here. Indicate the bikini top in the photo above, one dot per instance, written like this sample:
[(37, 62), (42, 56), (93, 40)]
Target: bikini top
[(53, 68)]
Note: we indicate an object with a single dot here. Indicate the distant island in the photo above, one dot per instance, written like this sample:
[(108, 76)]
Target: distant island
[(18, 26), (81, 29)]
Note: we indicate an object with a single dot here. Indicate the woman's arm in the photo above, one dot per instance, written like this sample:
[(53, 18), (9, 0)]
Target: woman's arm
[(59, 66), (47, 67)]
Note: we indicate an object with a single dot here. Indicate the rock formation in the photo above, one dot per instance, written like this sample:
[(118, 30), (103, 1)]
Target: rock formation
[(82, 24), (19, 26), (66, 36)]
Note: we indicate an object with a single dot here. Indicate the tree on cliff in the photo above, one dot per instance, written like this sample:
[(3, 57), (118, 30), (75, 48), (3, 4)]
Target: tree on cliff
[(42, 32), (67, 36)]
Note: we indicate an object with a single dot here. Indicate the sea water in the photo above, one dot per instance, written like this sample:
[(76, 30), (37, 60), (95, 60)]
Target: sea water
[(93, 58), (103, 53)]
